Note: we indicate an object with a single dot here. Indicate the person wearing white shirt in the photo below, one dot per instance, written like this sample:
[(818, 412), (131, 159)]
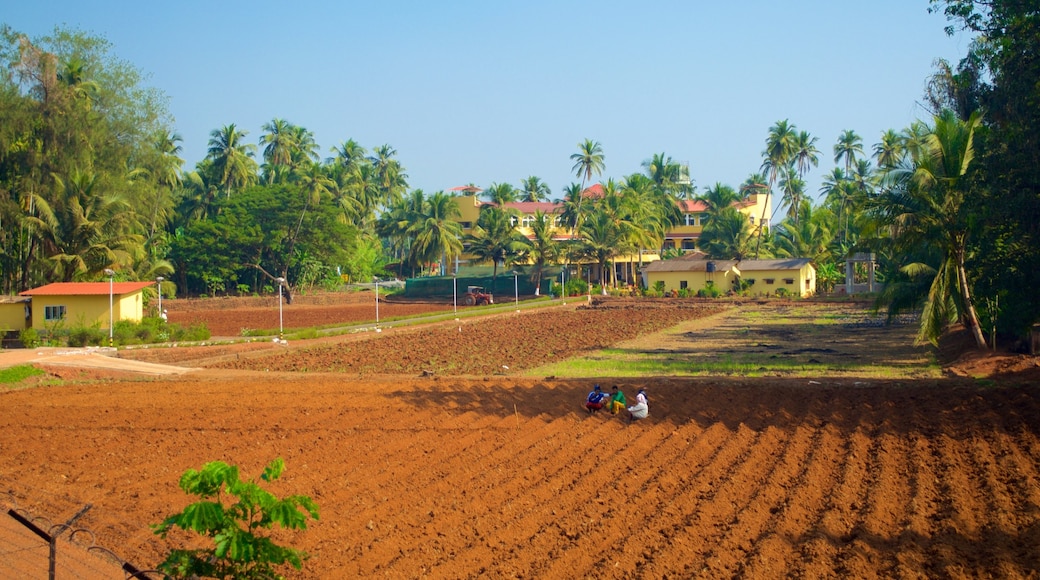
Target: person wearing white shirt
[(641, 409)]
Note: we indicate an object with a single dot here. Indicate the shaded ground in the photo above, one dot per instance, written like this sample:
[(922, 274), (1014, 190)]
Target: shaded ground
[(447, 477)]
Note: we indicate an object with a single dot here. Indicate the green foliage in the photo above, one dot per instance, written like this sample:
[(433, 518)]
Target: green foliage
[(30, 338), (18, 373), (80, 336), (233, 513), (710, 290)]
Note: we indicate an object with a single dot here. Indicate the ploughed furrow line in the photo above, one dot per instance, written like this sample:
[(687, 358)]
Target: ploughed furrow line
[(687, 537), (739, 542), (501, 485), (596, 532), (746, 514), (792, 511), (841, 511), (1013, 510), (438, 523), (958, 527), (529, 528)]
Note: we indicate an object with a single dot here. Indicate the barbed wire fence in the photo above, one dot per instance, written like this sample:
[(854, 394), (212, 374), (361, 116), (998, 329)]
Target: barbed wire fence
[(33, 547)]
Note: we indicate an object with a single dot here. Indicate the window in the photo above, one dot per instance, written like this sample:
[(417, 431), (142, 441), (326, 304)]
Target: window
[(788, 281), (526, 221), (752, 218), (690, 219), (769, 280), (806, 283), (466, 225), (683, 284), (54, 313), (689, 245)]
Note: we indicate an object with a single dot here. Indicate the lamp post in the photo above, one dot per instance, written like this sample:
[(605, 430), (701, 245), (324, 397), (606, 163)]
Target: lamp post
[(111, 317), (280, 281), (158, 284), (377, 303), (455, 295), (516, 290)]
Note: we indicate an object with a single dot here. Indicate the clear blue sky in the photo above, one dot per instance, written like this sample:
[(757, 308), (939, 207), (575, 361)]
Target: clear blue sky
[(495, 91)]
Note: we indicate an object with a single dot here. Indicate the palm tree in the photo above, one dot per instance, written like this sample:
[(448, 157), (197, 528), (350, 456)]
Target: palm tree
[(928, 201), (805, 153), (778, 155), (717, 197), (390, 179), (755, 184), (436, 234), (792, 189), (574, 207), (494, 239), (83, 231), (542, 248), (165, 170), (890, 150), (349, 155), (728, 237), (588, 160), (278, 141), (501, 194), (232, 158), (534, 189), (602, 240), (808, 237), (849, 145)]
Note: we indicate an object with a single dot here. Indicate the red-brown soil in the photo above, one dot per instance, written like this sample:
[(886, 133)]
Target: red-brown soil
[(448, 477), (230, 317)]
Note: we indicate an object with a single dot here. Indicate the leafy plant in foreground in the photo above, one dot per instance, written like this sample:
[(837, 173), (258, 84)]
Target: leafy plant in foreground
[(238, 552)]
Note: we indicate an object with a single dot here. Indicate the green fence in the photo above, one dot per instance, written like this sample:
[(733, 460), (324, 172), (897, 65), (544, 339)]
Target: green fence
[(442, 287)]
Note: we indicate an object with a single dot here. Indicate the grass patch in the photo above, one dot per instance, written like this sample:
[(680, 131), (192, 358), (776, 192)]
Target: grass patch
[(17, 374)]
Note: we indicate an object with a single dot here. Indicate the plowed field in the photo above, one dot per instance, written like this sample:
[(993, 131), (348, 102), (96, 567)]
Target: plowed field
[(448, 477)]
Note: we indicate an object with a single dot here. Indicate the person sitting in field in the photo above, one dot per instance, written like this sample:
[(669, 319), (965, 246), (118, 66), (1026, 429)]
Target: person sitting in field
[(641, 409), (594, 402), (617, 400)]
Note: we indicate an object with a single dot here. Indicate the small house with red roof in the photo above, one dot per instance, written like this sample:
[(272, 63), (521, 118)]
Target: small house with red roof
[(86, 303)]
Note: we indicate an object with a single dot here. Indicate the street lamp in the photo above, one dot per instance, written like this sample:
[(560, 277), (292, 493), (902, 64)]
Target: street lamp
[(111, 318), (516, 290), (158, 284), (377, 303), (280, 281)]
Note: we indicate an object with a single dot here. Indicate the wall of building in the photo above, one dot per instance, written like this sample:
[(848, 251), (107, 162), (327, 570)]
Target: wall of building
[(694, 280), (800, 282), (12, 316), (88, 310)]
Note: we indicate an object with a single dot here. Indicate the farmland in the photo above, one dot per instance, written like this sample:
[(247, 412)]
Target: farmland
[(483, 471)]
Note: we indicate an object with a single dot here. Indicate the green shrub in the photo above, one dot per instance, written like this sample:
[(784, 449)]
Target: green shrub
[(80, 336), (239, 551), (29, 338), (195, 332), (783, 293)]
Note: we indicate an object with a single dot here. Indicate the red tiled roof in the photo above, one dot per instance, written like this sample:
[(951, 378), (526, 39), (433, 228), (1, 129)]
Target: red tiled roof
[(690, 206), (529, 207), (85, 288)]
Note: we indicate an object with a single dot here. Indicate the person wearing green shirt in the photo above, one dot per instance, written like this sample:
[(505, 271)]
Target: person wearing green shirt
[(617, 400)]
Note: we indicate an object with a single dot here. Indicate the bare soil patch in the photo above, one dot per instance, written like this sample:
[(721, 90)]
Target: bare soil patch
[(505, 476)]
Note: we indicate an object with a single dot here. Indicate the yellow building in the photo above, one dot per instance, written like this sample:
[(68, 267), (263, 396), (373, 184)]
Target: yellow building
[(793, 276), (86, 303), (683, 236), (15, 313), (695, 215)]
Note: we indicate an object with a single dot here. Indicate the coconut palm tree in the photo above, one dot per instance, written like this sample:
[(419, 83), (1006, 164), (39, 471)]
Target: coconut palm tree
[(792, 189), (494, 239), (808, 237), (889, 151), (780, 149), (927, 201), (717, 197), (232, 158), (588, 161), (501, 194), (534, 189), (575, 207), (805, 153), (728, 237), (436, 235), (542, 248), (278, 142), (848, 147)]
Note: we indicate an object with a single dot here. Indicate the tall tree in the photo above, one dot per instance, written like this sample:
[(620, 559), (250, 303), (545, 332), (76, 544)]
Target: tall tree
[(494, 239), (232, 158), (848, 148), (779, 152), (534, 189), (588, 161), (929, 202)]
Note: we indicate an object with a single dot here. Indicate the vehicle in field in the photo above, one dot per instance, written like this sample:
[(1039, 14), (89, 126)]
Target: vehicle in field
[(477, 296)]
